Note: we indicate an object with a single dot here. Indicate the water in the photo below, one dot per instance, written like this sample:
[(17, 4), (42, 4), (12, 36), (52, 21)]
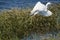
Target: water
[(6, 4)]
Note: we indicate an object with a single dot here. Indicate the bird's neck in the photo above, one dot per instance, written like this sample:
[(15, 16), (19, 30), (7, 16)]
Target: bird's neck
[(47, 5)]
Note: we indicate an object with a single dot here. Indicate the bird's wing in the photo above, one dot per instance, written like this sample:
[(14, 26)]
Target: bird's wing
[(38, 6)]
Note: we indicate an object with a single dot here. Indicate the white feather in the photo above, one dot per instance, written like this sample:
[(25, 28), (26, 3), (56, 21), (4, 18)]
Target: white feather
[(41, 9)]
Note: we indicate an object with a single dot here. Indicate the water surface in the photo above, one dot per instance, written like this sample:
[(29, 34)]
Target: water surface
[(6, 4)]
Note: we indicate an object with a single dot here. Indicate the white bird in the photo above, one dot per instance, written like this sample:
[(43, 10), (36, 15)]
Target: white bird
[(41, 9)]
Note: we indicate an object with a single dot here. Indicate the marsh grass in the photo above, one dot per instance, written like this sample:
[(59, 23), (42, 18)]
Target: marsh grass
[(17, 23)]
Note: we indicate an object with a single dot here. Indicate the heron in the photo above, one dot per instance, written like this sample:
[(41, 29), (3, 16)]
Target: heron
[(41, 9)]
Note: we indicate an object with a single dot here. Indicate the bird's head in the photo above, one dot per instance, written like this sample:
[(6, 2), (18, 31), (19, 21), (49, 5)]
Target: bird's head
[(49, 3)]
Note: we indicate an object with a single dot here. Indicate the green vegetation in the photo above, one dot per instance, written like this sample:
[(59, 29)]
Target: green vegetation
[(17, 23)]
